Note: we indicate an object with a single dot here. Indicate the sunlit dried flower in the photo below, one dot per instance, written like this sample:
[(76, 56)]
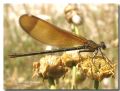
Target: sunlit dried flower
[(51, 67), (36, 66), (72, 14), (70, 59), (97, 68)]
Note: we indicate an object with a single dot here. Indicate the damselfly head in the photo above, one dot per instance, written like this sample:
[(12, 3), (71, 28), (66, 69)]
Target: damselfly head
[(102, 45)]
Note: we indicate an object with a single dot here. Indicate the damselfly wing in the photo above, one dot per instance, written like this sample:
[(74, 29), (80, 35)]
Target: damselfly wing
[(49, 34)]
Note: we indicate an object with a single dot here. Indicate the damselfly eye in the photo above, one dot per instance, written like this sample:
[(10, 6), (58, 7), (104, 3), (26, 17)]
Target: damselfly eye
[(103, 45)]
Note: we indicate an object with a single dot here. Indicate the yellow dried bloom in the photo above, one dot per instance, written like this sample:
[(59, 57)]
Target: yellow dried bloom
[(36, 66), (70, 59), (51, 67), (97, 68), (72, 14)]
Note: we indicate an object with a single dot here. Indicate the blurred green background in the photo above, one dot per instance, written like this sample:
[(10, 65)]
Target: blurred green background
[(100, 24)]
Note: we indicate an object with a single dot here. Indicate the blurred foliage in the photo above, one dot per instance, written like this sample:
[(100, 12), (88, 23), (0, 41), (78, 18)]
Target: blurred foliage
[(100, 24)]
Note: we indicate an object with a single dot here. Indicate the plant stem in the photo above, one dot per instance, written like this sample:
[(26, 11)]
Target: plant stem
[(52, 83), (75, 29), (96, 84), (73, 83)]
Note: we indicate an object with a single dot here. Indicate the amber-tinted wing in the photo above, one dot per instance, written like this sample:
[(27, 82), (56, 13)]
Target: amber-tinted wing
[(48, 33)]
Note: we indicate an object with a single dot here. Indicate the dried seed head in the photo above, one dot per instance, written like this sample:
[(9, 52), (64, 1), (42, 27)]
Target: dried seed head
[(70, 7), (72, 14), (36, 66), (97, 68), (70, 59), (51, 67)]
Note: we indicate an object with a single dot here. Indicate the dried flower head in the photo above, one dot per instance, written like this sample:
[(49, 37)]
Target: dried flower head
[(70, 59), (97, 68), (36, 66), (51, 67), (72, 14)]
